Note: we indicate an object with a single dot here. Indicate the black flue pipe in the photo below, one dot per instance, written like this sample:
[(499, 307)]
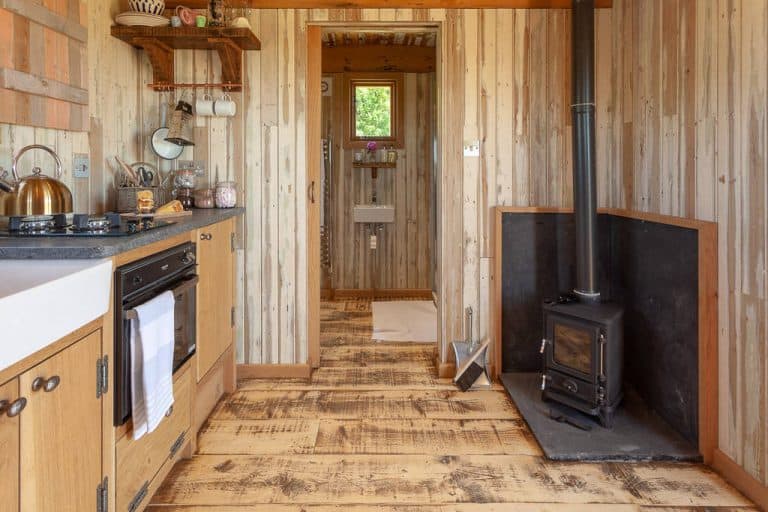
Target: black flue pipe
[(584, 169)]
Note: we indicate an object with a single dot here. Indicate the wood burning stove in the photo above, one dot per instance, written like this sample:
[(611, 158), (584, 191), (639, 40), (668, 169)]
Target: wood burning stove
[(583, 356), (583, 337)]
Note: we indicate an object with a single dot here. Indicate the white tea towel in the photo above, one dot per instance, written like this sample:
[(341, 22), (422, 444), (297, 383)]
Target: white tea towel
[(152, 340)]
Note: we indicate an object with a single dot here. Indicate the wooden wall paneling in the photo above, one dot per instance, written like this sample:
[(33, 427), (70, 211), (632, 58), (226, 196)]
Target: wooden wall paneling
[(307, 215), (522, 109), (451, 310), (404, 250), (605, 95), (486, 124), (754, 151), (314, 157), (287, 184), (703, 183), (728, 64), (471, 176), (253, 186), (270, 212), (408, 163)]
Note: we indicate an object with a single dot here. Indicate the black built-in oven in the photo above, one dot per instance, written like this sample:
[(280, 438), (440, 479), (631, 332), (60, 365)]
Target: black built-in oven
[(139, 282)]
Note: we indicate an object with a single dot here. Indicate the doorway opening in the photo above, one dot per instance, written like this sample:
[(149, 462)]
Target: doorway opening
[(378, 201)]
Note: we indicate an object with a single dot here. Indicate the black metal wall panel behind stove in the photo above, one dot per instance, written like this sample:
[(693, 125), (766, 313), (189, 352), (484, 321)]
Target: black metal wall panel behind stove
[(649, 268)]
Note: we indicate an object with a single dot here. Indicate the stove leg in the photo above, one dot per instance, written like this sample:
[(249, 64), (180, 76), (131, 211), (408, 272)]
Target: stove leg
[(606, 417)]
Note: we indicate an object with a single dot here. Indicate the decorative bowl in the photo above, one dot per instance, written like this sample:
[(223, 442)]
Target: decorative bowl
[(147, 6)]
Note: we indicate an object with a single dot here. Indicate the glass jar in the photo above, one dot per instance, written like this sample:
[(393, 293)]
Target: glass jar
[(185, 178), (226, 194), (204, 198)]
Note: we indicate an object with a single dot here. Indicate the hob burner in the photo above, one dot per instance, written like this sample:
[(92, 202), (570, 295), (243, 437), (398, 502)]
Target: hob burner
[(36, 223)]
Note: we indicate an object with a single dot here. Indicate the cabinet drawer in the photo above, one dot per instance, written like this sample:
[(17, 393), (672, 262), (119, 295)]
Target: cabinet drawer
[(139, 461)]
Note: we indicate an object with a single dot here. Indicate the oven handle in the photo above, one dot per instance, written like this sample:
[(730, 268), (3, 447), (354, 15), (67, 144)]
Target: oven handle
[(179, 290)]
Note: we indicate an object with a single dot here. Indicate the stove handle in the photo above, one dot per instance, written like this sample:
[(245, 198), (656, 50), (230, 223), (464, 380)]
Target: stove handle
[(601, 375), (185, 285)]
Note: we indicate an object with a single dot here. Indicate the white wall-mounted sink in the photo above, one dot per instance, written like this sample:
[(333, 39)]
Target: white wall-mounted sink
[(42, 301), (374, 213)]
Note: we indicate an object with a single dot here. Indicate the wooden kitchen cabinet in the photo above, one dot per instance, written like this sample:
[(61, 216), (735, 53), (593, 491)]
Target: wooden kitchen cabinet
[(215, 293), (59, 431), (9, 448)]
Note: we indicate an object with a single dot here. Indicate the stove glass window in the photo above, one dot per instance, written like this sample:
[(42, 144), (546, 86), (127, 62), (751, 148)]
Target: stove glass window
[(573, 348)]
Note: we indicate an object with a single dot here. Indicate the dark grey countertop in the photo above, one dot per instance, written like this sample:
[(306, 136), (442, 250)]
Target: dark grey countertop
[(64, 248)]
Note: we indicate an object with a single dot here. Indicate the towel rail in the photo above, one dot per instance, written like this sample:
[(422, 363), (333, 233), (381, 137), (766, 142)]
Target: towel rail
[(131, 314)]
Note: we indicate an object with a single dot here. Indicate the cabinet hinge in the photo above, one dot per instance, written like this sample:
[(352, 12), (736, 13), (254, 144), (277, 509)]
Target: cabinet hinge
[(232, 242), (102, 496), (232, 316), (102, 376), (138, 498), (176, 446)]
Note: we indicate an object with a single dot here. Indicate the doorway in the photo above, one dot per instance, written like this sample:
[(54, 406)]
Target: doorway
[(376, 191)]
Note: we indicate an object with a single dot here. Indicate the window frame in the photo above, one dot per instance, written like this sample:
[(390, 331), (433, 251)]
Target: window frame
[(393, 80)]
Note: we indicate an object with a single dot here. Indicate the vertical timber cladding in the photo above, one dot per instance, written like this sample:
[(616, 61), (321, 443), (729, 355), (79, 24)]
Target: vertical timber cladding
[(403, 258), (43, 64), (488, 62)]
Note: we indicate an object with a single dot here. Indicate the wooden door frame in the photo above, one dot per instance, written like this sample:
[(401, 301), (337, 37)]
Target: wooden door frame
[(314, 133)]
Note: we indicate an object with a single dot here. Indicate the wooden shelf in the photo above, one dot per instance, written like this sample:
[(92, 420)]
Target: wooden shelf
[(161, 42), (374, 165)]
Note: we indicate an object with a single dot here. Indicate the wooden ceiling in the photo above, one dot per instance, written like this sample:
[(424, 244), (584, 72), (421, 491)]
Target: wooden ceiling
[(404, 51), (423, 39), (392, 4)]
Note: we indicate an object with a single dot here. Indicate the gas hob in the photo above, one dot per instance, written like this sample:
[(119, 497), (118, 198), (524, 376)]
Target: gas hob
[(81, 225)]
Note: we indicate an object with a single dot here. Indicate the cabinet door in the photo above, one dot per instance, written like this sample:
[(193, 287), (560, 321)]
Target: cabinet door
[(215, 294), (61, 431), (9, 449)]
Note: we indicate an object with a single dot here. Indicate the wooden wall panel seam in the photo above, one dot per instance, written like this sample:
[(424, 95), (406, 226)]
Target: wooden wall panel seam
[(39, 14)]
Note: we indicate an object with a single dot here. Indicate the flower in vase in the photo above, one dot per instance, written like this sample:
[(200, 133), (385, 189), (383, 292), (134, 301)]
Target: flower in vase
[(371, 146)]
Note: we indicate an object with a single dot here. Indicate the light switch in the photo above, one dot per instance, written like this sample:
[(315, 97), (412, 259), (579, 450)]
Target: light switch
[(472, 148), (81, 164)]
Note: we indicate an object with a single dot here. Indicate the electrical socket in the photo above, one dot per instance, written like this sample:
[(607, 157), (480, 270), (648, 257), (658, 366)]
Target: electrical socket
[(472, 148)]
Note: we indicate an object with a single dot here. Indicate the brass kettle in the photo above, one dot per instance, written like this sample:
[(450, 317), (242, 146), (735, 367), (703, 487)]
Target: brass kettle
[(36, 194)]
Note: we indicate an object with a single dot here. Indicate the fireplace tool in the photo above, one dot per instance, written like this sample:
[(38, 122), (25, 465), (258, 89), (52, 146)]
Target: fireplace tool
[(471, 360)]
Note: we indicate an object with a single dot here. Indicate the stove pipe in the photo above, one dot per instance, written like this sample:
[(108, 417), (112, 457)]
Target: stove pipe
[(584, 173)]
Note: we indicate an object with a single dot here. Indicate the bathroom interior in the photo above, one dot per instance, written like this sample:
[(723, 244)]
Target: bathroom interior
[(378, 204)]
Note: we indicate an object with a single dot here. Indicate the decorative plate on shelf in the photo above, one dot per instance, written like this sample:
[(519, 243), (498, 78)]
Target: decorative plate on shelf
[(140, 19)]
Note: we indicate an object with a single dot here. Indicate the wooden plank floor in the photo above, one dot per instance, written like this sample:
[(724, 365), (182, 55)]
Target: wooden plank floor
[(376, 430)]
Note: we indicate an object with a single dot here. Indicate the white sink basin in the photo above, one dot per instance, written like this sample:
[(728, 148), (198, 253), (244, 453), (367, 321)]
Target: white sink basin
[(42, 301), (374, 213)]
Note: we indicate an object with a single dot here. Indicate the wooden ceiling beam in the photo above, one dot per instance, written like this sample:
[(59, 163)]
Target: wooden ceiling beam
[(400, 4), (379, 58)]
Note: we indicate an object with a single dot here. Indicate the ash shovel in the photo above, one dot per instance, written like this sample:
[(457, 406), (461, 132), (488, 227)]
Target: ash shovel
[(471, 361)]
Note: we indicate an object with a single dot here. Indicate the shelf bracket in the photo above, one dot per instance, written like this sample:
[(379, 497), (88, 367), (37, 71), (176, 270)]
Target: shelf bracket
[(160, 56), (231, 57)]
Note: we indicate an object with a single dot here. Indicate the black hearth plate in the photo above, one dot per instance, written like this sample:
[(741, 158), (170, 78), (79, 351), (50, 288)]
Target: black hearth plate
[(637, 435)]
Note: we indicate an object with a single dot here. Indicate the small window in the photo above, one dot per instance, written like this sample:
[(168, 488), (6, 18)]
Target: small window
[(374, 111)]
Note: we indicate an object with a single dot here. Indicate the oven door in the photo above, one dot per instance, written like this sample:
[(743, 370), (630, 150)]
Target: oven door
[(184, 292)]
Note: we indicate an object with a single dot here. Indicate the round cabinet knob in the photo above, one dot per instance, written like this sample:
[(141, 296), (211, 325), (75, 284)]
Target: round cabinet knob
[(206, 236), (16, 407), (46, 385)]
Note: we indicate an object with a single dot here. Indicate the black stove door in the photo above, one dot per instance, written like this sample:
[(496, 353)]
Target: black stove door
[(572, 346)]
